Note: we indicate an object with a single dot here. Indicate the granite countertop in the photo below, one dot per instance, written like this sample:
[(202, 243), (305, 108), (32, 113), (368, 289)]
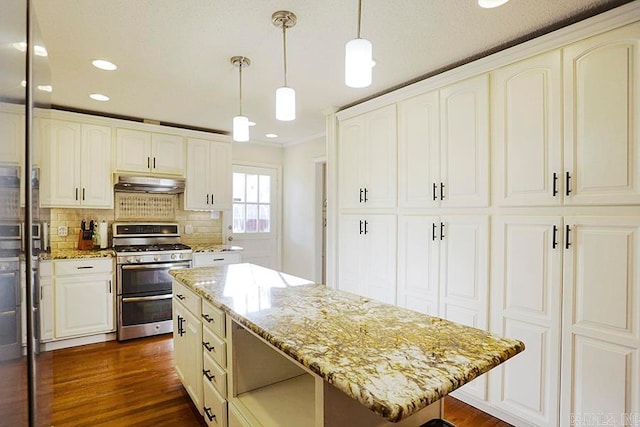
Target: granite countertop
[(392, 360), (77, 254), (205, 247)]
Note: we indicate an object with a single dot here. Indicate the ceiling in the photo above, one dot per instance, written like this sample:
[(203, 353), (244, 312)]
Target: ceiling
[(173, 56)]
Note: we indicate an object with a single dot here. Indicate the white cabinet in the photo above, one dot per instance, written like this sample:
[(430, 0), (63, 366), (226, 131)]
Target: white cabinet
[(526, 303), (187, 341), (145, 152), (443, 271), (367, 256), (84, 297), (77, 171), (208, 175), (601, 104), (46, 301), (443, 146), (367, 160), (210, 259), (601, 317), (526, 119)]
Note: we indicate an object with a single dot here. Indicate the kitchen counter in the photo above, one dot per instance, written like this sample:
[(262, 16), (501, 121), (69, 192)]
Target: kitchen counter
[(202, 247), (392, 360), (77, 254)]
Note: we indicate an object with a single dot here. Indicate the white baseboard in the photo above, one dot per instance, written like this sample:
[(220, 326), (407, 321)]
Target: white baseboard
[(74, 342)]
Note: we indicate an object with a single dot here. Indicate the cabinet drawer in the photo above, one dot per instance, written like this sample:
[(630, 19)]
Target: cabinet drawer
[(213, 318), (215, 407), (85, 266), (215, 347), (214, 374), (210, 259), (46, 268), (187, 297)]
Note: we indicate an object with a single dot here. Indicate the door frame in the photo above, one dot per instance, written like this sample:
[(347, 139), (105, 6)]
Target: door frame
[(320, 183)]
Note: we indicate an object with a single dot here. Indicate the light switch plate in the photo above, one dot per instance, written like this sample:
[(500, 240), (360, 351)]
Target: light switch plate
[(188, 229), (63, 230)]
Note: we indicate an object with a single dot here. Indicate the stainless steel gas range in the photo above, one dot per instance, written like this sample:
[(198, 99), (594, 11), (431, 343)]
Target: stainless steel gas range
[(145, 252)]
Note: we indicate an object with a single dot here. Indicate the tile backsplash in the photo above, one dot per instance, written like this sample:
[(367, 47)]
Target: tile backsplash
[(205, 229)]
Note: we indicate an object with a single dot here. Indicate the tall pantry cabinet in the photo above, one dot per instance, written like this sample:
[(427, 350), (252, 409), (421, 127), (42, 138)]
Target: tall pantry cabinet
[(548, 249)]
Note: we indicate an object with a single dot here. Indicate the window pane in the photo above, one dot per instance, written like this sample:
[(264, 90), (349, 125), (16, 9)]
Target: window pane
[(252, 218), (238, 187), (265, 189), (265, 218), (252, 188), (238, 218)]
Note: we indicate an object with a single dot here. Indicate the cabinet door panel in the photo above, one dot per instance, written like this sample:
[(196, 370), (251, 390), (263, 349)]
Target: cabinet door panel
[(95, 167), (133, 150), (464, 157), (418, 263), (419, 150), (380, 261), (379, 157), (601, 317), (11, 132), (61, 174), (602, 149), (527, 131), (167, 154), (197, 182), (350, 247), (352, 135), (84, 305), (220, 175)]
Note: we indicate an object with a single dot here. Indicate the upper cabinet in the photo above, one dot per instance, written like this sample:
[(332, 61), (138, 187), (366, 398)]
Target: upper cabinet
[(208, 175), (527, 132), (77, 169), (443, 146), (12, 134), (601, 141), (367, 160), (145, 152)]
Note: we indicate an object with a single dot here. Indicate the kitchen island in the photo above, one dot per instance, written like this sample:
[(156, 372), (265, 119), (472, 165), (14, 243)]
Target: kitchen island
[(304, 354)]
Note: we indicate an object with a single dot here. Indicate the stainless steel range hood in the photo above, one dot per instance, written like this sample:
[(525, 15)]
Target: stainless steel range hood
[(148, 184)]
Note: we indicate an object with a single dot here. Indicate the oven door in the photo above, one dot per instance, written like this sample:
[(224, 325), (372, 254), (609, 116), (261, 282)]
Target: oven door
[(10, 328), (146, 279)]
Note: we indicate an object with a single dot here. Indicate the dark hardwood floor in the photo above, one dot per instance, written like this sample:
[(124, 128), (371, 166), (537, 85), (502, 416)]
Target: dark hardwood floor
[(133, 383)]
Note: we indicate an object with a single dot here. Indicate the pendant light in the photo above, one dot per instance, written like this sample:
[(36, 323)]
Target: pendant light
[(489, 4), (240, 122), (358, 58), (285, 96)]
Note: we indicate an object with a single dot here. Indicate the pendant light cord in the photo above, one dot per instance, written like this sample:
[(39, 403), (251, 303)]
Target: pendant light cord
[(359, 16), (240, 69), (284, 43)]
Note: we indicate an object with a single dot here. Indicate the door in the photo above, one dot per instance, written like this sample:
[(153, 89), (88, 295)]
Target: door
[(198, 174), (95, 167), (255, 216), (167, 154), (601, 317), (61, 174), (527, 297), (602, 145), (133, 150)]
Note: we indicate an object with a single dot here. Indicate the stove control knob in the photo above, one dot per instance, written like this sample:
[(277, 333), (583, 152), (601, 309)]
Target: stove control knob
[(156, 257), (138, 259), (174, 256), (130, 259), (179, 256)]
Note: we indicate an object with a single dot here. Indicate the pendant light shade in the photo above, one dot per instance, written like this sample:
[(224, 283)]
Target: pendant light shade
[(285, 96), (285, 104), (358, 58), (240, 129), (240, 122), (358, 61), (489, 4)]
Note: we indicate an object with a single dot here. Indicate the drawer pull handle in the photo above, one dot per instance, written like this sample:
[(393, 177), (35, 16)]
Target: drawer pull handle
[(84, 267), (207, 373), (210, 414), (208, 318), (218, 259), (180, 297), (208, 346)]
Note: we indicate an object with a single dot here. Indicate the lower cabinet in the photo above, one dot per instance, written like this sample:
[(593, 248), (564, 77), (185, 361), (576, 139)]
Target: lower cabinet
[(211, 259), (46, 301), (84, 297)]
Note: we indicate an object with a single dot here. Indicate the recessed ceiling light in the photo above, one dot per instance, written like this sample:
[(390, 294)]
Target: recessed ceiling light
[(103, 64), (252, 123), (488, 4), (38, 50), (271, 135), (99, 97), (46, 88)]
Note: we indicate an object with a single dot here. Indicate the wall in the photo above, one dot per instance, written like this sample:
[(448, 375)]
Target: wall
[(299, 208), (256, 153)]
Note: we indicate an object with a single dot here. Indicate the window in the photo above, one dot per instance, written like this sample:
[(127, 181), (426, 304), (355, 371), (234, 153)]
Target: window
[(251, 203)]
